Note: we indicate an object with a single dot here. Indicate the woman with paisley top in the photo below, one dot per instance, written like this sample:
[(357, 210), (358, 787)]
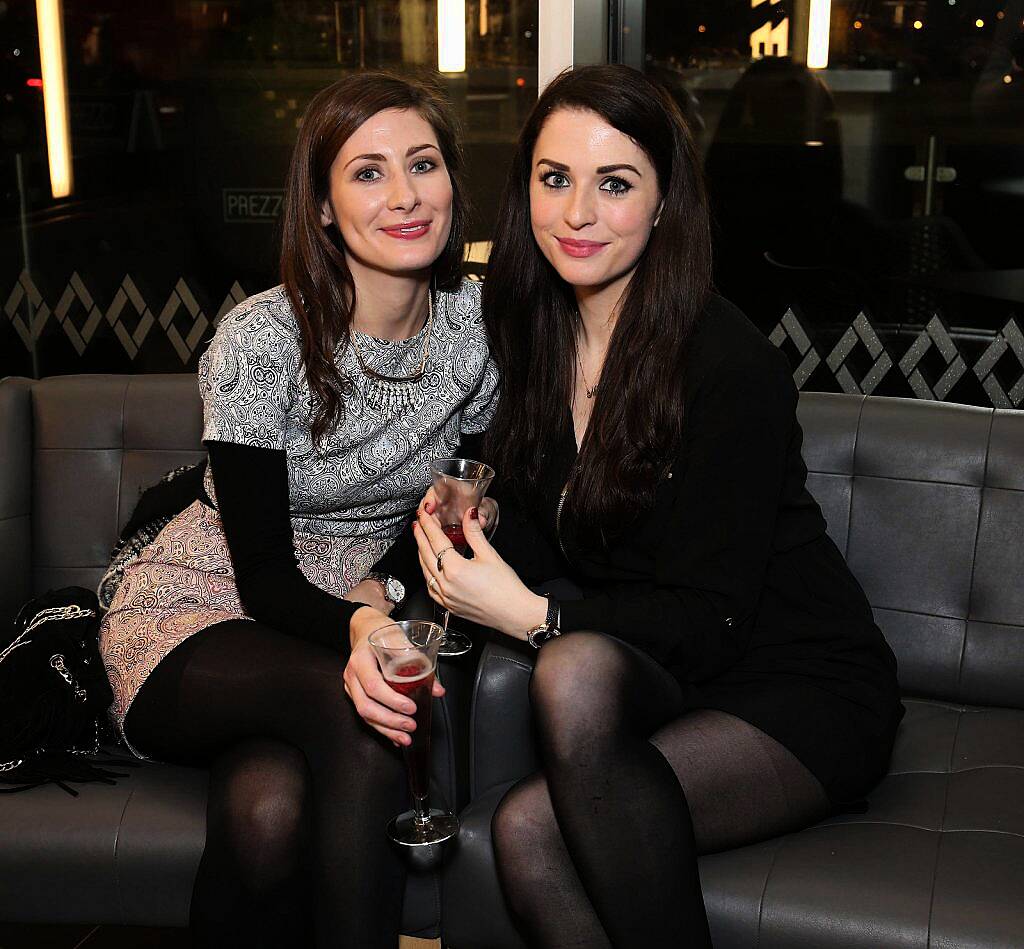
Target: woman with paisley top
[(232, 634), (712, 674)]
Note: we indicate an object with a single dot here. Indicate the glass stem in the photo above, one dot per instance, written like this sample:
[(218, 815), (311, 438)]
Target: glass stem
[(420, 803), (421, 807), (443, 614)]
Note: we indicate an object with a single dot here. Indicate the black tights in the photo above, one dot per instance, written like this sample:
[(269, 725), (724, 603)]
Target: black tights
[(600, 849), (300, 790)]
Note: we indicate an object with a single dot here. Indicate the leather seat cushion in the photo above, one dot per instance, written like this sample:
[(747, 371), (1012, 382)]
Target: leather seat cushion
[(937, 861)]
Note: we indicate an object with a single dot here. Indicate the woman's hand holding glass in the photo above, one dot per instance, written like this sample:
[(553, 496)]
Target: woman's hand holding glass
[(488, 510), (380, 706), (484, 590)]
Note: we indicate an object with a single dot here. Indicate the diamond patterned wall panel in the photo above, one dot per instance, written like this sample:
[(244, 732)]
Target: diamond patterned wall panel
[(932, 365), (858, 359), (25, 291), (934, 334), (180, 297), (78, 334), (790, 328), (860, 331), (1010, 341), (129, 315)]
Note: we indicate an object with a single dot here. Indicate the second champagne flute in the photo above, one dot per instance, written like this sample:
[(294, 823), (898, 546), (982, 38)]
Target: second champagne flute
[(459, 484), (407, 654)]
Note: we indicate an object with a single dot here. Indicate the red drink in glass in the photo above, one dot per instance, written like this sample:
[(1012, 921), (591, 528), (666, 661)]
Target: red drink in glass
[(457, 536), (406, 652), (415, 680), (459, 486)]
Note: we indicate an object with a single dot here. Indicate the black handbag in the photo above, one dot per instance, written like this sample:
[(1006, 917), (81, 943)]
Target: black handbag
[(54, 694)]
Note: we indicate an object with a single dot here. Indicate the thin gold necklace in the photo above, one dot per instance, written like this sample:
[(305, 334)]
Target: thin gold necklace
[(379, 376), (591, 389)]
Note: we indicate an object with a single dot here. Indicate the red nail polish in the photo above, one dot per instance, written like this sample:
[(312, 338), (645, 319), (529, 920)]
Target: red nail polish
[(474, 514)]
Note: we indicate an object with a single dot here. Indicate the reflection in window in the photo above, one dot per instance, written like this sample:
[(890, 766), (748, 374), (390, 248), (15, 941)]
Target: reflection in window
[(889, 184), (182, 117)]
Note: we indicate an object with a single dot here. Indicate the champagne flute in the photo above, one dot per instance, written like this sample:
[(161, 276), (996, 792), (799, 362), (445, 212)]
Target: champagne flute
[(459, 484), (407, 654)]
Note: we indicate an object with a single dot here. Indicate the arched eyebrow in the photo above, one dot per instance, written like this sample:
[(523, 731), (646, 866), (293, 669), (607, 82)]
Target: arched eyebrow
[(377, 156), (608, 169), (603, 170)]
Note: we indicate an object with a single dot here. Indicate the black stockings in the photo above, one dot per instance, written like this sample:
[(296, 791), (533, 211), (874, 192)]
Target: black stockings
[(601, 849), (300, 790)]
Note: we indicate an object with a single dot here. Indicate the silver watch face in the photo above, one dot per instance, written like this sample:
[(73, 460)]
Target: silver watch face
[(394, 590)]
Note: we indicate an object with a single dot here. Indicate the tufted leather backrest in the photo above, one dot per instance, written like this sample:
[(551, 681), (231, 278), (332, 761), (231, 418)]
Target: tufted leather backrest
[(99, 441), (926, 501)]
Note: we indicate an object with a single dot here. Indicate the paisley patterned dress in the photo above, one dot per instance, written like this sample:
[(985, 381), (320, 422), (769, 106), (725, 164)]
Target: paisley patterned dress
[(350, 496)]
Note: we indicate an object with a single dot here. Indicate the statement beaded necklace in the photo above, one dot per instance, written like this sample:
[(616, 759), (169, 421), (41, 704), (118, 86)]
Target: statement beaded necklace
[(398, 390)]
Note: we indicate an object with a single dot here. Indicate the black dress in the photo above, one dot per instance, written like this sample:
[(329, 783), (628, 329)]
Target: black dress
[(729, 580)]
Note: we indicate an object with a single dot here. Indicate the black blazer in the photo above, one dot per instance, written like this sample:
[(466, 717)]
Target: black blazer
[(730, 580)]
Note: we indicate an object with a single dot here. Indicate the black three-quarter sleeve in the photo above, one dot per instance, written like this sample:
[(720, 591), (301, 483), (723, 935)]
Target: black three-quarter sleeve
[(695, 613), (252, 497)]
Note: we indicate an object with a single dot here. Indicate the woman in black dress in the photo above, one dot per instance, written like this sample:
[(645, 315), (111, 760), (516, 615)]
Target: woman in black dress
[(715, 676)]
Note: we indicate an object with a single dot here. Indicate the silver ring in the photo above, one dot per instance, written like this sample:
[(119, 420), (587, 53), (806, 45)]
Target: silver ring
[(432, 584), (440, 558)]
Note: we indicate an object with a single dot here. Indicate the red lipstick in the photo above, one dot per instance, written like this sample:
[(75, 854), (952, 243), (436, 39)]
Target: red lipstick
[(409, 231), (577, 248)]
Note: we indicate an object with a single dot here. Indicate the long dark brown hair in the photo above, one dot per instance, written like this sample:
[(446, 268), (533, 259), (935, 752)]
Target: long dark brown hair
[(313, 267), (531, 313)]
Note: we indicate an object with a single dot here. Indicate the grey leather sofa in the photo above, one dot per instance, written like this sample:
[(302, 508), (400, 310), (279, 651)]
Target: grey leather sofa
[(926, 500), (75, 452)]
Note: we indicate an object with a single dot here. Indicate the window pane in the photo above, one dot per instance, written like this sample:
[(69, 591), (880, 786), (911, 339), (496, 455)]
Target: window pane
[(182, 118), (890, 183)]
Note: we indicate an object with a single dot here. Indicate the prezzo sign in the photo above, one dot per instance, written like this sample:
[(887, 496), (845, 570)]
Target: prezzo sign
[(252, 205)]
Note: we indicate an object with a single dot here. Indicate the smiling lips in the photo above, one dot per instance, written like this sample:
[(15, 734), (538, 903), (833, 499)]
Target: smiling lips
[(410, 231), (576, 248)]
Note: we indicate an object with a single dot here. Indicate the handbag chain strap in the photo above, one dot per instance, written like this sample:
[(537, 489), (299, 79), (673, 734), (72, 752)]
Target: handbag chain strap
[(45, 616)]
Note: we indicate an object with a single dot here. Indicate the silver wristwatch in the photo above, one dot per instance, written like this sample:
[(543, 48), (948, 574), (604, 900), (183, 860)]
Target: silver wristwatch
[(394, 589)]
